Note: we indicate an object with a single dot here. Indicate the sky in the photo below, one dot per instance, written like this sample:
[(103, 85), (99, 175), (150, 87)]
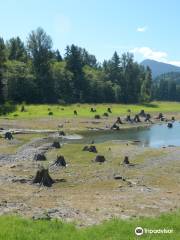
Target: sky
[(147, 28)]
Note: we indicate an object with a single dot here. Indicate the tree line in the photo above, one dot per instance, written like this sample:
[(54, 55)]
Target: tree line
[(167, 87), (33, 72)]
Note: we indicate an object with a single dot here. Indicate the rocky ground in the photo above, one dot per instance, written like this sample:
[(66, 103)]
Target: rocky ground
[(85, 191)]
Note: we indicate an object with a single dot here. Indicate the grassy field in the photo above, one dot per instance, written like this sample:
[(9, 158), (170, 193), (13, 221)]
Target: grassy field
[(83, 110), (14, 228)]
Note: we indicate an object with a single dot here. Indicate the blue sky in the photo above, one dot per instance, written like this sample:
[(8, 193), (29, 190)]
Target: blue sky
[(148, 28)]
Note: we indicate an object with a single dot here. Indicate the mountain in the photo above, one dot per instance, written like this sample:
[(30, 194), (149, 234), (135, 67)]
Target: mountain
[(159, 68)]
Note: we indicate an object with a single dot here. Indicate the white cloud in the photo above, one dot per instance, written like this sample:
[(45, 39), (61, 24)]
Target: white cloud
[(149, 53), (142, 29), (176, 63)]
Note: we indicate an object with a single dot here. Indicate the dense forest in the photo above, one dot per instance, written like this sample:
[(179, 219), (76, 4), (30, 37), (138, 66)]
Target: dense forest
[(167, 87), (33, 72)]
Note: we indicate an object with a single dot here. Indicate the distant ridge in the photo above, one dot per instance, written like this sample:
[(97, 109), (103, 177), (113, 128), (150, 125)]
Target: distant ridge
[(159, 68)]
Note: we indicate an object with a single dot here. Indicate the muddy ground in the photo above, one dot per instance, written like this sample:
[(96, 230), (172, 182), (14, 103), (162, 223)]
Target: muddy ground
[(85, 191)]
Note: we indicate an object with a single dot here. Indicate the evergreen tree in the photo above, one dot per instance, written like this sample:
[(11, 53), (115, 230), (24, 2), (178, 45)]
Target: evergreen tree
[(16, 50), (40, 49), (2, 68)]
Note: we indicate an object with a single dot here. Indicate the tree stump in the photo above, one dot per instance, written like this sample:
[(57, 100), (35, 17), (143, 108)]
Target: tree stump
[(142, 113), (43, 178), (97, 116), (75, 112), (56, 144), (148, 118), (8, 135), (62, 133), (105, 114), (40, 157), (109, 110), (60, 161), (126, 160), (169, 125), (119, 121), (100, 158), (136, 118), (93, 149)]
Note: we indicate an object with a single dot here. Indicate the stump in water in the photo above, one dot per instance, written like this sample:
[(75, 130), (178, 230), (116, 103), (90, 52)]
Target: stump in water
[(8, 135), (60, 161), (40, 157), (115, 127), (100, 158), (126, 160), (169, 125), (109, 110), (56, 144), (75, 112), (43, 178)]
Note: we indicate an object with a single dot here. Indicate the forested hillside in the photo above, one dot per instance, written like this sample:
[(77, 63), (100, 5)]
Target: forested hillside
[(34, 72)]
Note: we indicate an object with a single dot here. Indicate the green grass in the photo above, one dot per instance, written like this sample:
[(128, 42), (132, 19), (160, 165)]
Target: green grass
[(40, 111), (15, 228)]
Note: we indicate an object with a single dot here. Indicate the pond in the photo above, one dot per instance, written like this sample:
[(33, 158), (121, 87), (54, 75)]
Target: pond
[(158, 135)]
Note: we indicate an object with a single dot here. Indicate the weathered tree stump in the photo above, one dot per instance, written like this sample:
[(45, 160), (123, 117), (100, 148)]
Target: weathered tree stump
[(119, 121), (8, 135), (40, 157), (62, 133), (173, 118), (126, 160), (93, 110), (148, 118), (115, 127), (109, 110), (75, 112), (50, 113), (97, 116), (93, 149), (56, 144), (142, 113), (169, 125), (60, 161), (136, 118), (128, 119), (105, 114), (100, 158), (43, 178)]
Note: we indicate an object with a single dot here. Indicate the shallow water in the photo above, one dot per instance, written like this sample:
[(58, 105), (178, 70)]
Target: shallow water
[(154, 136)]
